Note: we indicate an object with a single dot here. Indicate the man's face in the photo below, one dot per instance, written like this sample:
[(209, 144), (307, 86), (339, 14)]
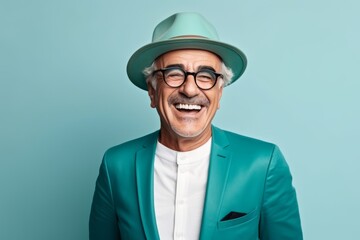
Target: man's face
[(187, 111)]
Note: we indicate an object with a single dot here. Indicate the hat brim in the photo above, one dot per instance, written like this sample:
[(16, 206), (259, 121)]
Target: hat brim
[(145, 56)]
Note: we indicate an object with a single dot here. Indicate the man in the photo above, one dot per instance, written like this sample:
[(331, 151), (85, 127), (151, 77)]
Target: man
[(191, 180)]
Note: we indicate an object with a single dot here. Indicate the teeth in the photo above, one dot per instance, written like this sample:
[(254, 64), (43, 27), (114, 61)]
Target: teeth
[(188, 106)]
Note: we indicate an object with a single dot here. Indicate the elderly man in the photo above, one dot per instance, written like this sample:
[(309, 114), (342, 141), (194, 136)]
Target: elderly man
[(191, 180)]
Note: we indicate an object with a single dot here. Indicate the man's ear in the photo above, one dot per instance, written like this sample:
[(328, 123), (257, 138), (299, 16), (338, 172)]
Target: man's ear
[(152, 92), (220, 95)]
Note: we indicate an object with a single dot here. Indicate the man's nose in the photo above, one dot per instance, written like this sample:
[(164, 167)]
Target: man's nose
[(189, 87)]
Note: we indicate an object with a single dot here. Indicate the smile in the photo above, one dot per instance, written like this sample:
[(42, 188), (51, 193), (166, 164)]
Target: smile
[(188, 107)]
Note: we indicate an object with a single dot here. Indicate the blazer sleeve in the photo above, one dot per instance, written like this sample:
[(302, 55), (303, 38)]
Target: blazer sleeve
[(103, 220), (279, 217)]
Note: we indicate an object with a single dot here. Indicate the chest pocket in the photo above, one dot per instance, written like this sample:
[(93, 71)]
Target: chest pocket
[(247, 218)]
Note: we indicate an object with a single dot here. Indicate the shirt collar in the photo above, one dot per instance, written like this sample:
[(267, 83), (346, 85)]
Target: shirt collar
[(188, 157)]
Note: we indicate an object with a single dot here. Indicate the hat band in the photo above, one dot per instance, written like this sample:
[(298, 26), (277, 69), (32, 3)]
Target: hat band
[(189, 36)]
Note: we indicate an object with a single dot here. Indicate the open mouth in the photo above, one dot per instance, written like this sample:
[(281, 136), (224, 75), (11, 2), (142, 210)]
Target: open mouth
[(183, 107)]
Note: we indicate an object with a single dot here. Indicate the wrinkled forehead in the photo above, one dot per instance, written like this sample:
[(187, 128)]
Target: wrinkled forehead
[(189, 58)]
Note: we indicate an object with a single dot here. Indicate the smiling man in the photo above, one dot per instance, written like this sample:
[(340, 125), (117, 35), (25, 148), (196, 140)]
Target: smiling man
[(191, 180)]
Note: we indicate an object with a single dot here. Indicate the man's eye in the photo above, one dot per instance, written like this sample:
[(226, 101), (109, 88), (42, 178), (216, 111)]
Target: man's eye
[(205, 77), (175, 74)]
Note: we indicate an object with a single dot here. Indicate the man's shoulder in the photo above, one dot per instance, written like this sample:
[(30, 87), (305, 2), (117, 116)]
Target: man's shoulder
[(238, 141), (233, 136), (250, 150), (134, 145)]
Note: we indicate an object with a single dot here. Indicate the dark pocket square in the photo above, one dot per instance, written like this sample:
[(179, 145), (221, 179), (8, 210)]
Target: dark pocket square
[(233, 215)]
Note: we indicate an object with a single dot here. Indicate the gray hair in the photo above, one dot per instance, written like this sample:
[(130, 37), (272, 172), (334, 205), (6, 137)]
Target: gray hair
[(225, 71)]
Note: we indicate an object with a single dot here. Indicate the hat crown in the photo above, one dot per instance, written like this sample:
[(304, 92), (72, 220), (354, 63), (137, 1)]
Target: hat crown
[(184, 25)]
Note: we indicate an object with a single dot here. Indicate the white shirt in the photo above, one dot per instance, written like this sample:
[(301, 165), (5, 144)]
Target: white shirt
[(179, 190)]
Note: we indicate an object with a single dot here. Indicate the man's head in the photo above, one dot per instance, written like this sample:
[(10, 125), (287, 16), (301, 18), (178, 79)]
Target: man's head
[(184, 70)]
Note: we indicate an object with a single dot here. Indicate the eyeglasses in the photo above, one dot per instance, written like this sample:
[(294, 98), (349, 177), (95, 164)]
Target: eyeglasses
[(174, 77)]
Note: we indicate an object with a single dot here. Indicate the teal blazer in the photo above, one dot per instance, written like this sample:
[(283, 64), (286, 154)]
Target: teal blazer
[(246, 175)]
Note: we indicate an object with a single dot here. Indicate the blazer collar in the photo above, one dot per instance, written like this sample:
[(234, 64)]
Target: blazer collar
[(145, 183), (220, 160)]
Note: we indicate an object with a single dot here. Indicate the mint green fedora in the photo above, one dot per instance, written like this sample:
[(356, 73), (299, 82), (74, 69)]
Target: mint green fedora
[(184, 31)]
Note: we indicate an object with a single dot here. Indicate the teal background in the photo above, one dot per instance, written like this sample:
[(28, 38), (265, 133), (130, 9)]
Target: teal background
[(65, 98)]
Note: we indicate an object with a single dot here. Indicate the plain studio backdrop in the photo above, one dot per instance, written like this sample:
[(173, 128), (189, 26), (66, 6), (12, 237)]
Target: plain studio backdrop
[(65, 98)]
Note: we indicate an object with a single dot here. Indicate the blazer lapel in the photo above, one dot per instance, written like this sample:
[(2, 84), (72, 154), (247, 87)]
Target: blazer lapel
[(145, 185), (218, 171)]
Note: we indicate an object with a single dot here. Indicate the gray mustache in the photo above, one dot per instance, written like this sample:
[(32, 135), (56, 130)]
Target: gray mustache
[(186, 100)]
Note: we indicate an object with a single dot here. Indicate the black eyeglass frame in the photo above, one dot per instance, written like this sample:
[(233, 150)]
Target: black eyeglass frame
[(186, 74)]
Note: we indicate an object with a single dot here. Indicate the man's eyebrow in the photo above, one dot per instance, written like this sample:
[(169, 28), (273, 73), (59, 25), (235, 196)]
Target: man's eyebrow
[(175, 65), (202, 67)]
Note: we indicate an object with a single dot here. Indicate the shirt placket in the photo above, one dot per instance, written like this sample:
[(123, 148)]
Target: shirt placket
[(180, 199)]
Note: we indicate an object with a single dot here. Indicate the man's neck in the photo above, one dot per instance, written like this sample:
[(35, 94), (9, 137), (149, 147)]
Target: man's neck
[(183, 144)]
